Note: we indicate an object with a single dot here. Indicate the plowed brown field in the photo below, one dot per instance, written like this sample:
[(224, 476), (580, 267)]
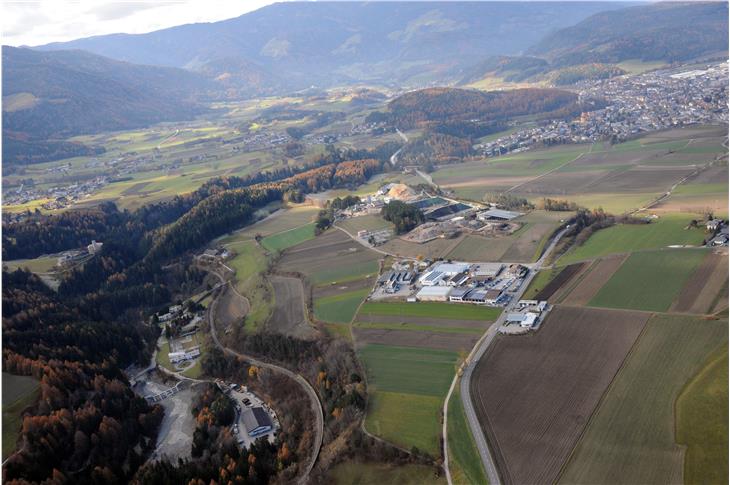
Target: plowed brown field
[(534, 394), (594, 280), (565, 275)]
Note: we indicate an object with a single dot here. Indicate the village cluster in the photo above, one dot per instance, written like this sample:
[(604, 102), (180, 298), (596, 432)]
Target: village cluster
[(635, 104)]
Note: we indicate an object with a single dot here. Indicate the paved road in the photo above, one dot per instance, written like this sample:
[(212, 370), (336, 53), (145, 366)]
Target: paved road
[(394, 157), (311, 393), (476, 354)]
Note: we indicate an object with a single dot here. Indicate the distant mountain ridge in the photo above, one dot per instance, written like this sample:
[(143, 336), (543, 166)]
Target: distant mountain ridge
[(668, 32), (298, 44), (662, 31), (50, 95)]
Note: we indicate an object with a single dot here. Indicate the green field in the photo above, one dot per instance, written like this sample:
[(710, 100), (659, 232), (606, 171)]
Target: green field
[(702, 424), (43, 264), (249, 264), (540, 281), (368, 223), (340, 308), (624, 238), (415, 327), (631, 436), (465, 463), (19, 392), (451, 311), (649, 280), (287, 239), (342, 274), (283, 220), (406, 388), (357, 473)]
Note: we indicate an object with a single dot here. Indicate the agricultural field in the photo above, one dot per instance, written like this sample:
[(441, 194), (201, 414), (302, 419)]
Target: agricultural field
[(563, 371), (287, 239), (331, 258), (289, 316), (705, 286), (250, 263), (368, 223), (592, 280), (19, 392), (649, 280), (430, 309), (618, 178), (631, 437), (565, 276), (42, 264), (701, 421), (339, 308), (465, 463), (624, 238), (285, 219), (358, 473), (407, 387)]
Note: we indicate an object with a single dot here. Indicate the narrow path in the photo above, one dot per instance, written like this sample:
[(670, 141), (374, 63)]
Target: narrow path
[(308, 389)]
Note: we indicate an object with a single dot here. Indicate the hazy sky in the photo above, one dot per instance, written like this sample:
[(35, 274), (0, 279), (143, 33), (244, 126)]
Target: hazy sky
[(40, 22)]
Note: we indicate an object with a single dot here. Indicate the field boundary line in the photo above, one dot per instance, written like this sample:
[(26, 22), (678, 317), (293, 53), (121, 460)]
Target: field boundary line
[(544, 174), (602, 399)]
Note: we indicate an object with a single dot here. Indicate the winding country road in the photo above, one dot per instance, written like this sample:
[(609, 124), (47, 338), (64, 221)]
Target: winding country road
[(470, 364), (308, 389)]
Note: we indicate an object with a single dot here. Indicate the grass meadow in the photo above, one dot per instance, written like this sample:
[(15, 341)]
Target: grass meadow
[(339, 308), (431, 310), (649, 280), (407, 387), (625, 238), (19, 392), (465, 463), (289, 238)]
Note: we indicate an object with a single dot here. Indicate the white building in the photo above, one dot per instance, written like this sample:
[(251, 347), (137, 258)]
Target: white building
[(94, 247), (434, 293)]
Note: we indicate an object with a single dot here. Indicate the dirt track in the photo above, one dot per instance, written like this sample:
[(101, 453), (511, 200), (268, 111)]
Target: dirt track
[(289, 315), (534, 394)]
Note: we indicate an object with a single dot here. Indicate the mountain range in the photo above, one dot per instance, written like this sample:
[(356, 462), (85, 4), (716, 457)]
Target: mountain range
[(123, 81)]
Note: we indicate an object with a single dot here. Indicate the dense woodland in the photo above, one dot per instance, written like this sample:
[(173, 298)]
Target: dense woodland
[(78, 347), (438, 105), (404, 216)]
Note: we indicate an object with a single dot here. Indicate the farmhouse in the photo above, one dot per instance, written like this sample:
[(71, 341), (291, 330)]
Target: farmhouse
[(497, 215), (434, 293), (257, 421)]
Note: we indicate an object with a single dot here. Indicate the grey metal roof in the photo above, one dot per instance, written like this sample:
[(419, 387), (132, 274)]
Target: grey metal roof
[(254, 418)]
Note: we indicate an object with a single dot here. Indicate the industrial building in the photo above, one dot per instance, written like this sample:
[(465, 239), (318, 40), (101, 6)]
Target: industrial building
[(256, 421), (497, 215), (434, 293)]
